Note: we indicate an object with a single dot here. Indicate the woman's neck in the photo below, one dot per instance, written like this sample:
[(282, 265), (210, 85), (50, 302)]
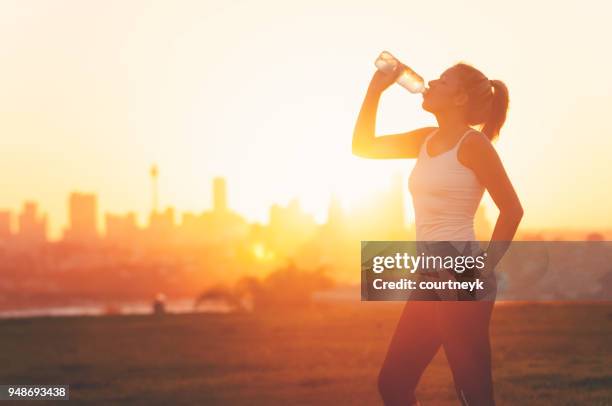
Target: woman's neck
[(451, 124)]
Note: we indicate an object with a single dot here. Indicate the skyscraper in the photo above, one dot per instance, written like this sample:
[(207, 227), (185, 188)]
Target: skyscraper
[(335, 213), (82, 214), (121, 229), (32, 229), (219, 195), (220, 224), (5, 225)]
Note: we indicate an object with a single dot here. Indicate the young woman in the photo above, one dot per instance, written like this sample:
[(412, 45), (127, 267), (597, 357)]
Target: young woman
[(455, 164)]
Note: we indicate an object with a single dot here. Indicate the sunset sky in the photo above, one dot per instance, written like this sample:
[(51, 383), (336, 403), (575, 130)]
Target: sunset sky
[(266, 93)]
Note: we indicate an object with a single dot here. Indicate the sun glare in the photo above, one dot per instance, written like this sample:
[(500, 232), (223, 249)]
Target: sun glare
[(262, 253)]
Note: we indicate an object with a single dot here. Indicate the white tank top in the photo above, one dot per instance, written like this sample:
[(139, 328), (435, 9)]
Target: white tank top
[(445, 195)]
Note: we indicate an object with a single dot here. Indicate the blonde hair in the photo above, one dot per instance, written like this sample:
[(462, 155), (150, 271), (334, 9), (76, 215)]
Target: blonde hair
[(487, 100)]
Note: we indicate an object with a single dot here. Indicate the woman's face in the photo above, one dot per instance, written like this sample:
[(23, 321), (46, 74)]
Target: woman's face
[(444, 93)]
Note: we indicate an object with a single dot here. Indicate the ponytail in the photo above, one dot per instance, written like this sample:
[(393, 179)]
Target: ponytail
[(487, 100), (499, 107)]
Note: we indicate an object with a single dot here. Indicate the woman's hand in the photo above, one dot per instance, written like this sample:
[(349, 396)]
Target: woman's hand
[(381, 80)]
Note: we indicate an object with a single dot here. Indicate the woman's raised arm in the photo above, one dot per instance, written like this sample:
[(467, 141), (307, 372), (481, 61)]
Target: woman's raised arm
[(394, 146)]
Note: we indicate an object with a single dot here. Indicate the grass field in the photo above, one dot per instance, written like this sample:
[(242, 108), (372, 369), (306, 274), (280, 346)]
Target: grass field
[(330, 355)]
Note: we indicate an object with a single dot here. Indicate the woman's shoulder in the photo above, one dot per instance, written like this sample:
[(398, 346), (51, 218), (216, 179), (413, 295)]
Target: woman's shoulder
[(476, 139), (474, 146)]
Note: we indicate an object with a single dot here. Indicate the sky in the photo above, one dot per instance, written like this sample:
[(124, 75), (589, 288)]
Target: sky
[(266, 95)]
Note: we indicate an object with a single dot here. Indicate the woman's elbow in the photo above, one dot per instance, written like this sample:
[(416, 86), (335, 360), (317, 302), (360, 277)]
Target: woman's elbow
[(358, 152), (359, 149), (515, 212), (518, 211), (364, 153)]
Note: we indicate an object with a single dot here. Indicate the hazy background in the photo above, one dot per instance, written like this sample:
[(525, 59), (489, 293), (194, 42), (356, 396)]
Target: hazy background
[(266, 94)]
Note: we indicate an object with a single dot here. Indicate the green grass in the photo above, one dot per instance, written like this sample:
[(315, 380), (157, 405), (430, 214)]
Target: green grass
[(543, 354)]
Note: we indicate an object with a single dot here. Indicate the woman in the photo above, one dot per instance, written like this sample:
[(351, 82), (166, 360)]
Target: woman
[(455, 164)]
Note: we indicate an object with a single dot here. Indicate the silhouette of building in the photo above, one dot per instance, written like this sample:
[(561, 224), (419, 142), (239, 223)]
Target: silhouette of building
[(332, 246), (219, 195), (191, 231), (5, 225), (121, 229), (221, 224), (289, 228), (32, 227), (335, 214), (162, 228), (82, 216)]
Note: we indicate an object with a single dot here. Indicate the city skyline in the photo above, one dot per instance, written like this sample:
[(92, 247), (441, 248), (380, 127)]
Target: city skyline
[(253, 92), (86, 222), (89, 223), (201, 248)]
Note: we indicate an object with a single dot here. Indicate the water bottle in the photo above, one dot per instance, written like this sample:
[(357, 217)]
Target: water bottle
[(409, 79)]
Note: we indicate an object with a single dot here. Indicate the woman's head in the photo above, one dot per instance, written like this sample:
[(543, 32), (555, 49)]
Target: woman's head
[(465, 90)]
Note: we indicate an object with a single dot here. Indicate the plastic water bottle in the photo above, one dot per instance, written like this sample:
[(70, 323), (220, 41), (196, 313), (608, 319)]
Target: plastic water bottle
[(409, 79)]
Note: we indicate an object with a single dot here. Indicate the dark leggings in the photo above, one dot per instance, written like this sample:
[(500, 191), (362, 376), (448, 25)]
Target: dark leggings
[(462, 328)]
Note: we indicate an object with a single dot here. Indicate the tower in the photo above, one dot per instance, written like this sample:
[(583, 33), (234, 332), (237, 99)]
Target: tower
[(154, 173)]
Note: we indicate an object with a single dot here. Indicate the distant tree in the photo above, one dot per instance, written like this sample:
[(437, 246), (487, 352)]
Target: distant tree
[(218, 293), (594, 237), (293, 287), (285, 288)]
